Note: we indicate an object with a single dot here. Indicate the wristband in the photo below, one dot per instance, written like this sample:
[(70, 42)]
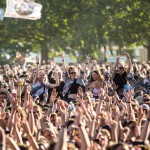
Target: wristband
[(86, 63), (37, 63), (148, 119), (62, 59), (128, 102)]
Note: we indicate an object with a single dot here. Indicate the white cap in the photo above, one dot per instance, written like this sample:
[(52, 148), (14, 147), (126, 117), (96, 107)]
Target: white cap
[(145, 106)]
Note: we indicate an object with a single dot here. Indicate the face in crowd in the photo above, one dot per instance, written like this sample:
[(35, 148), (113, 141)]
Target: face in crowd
[(72, 73), (37, 112), (42, 76), (121, 67), (96, 75), (3, 98)]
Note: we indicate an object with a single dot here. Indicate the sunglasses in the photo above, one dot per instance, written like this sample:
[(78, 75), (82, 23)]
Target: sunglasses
[(3, 97), (121, 68), (36, 112), (146, 100), (72, 72)]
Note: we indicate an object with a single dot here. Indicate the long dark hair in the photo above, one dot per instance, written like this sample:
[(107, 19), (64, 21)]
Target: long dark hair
[(98, 73)]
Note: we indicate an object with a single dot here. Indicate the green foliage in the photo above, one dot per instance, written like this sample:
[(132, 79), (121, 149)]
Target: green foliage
[(78, 26)]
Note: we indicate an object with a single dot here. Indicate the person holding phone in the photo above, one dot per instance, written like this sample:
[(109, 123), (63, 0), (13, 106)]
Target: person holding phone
[(120, 73)]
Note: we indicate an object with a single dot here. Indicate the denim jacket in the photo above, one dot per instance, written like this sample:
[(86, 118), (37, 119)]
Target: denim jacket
[(68, 83)]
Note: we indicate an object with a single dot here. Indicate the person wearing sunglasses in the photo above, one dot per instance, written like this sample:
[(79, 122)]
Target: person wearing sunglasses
[(3, 101), (120, 73), (72, 82)]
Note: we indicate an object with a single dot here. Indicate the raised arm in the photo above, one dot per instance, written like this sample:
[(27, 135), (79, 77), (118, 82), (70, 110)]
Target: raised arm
[(83, 134), (37, 69), (114, 69), (131, 114), (13, 145), (129, 63), (2, 139), (30, 137), (11, 81), (31, 117), (63, 63), (146, 129), (57, 80), (62, 142)]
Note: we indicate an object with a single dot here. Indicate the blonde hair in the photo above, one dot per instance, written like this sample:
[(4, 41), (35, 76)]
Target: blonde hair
[(121, 62), (72, 68)]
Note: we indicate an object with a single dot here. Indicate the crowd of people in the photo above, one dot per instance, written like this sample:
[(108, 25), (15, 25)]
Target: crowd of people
[(81, 106)]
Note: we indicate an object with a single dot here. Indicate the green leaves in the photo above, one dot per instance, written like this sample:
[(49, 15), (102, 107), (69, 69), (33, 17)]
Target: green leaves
[(83, 26)]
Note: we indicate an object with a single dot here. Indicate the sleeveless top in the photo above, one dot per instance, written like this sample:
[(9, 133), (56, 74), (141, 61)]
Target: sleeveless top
[(96, 91)]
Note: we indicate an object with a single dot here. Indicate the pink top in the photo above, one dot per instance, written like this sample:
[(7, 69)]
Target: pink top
[(96, 91)]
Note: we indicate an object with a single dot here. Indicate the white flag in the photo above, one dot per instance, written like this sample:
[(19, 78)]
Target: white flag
[(23, 9), (1, 13)]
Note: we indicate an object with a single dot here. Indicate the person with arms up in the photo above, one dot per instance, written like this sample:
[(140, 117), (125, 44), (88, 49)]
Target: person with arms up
[(72, 82), (120, 73)]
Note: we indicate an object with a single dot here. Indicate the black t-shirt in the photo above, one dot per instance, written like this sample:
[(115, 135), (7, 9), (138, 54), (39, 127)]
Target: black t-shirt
[(74, 87), (120, 80)]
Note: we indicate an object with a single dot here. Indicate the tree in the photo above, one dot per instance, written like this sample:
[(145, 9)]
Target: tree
[(78, 26), (131, 22)]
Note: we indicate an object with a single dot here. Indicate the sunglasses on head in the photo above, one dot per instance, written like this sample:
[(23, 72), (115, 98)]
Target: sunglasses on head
[(72, 72)]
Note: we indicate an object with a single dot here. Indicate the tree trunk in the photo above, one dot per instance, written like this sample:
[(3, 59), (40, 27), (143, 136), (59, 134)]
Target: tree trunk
[(148, 52), (105, 57), (44, 53)]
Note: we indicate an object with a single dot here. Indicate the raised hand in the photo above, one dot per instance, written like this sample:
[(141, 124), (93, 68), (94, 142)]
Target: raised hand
[(37, 59), (28, 89), (45, 118), (87, 58), (2, 138), (140, 113), (117, 59), (26, 128), (79, 117), (14, 103), (11, 75), (63, 112), (94, 62), (62, 55), (31, 104), (127, 55)]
